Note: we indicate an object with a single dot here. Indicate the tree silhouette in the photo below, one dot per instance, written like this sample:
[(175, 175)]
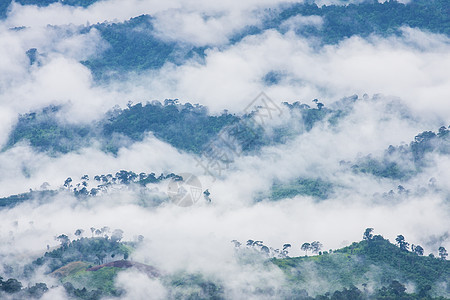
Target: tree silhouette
[(67, 183), (284, 251), (417, 249), (442, 253), (64, 240), (265, 250), (402, 243), (368, 235), (305, 247), (79, 232), (316, 246)]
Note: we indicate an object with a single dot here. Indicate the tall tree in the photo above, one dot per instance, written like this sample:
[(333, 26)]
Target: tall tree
[(316, 246), (64, 240), (442, 253), (305, 247), (285, 250), (417, 249), (67, 183), (401, 242), (79, 232), (368, 234)]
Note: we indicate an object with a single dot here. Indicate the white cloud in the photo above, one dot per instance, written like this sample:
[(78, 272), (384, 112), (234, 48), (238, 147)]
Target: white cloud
[(410, 71), (140, 287), (300, 21)]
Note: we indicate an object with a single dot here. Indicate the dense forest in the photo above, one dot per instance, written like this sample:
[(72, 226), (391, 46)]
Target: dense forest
[(350, 265), (6, 3), (370, 17), (191, 128), (412, 156), (135, 47), (138, 50), (185, 126)]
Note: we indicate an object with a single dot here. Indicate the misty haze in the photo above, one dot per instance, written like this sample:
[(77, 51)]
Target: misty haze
[(205, 149)]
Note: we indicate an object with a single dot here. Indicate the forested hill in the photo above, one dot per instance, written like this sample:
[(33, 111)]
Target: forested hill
[(412, 154), (135, 47), (376, 262), (371, 269), (192, 128), (185, 126), (369, 17), (4, 4), (137, 50), (246, 140)]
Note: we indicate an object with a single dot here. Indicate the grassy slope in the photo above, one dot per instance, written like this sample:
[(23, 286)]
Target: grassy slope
[(70, 269), (102, 279)]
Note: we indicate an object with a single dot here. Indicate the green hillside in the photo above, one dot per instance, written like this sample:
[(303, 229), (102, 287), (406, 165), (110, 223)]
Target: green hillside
[(374, 263), (371, 269)]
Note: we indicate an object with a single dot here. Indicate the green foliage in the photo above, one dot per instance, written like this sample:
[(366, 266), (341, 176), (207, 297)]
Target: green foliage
[(134, 47), (102, 279), (193, 286), (385, 168), (4, 8), (104, 182), (394, 291), (4, 4), (412, 155), (13, 200), (82, 3), (311, 116), (334, 270), (93, 250), (96, 284), (43, 131), (375, 261), (36, 291), (82, 189), (140, 49), (14, 286), (429, 141), (370, 17), (419, 269), (185, 127), (190, 128), (316, 188), (82, 293), (10, 286)]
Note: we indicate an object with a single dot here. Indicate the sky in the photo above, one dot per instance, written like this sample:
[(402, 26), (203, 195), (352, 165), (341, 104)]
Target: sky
[(405, 78)]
